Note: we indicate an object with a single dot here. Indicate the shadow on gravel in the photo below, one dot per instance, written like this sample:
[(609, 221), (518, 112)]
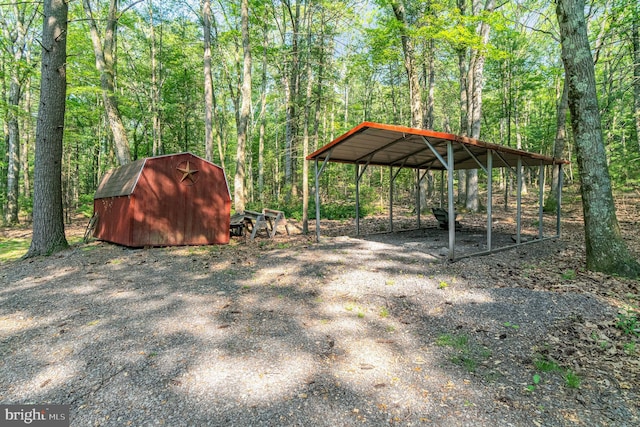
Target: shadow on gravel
[(349, 332)]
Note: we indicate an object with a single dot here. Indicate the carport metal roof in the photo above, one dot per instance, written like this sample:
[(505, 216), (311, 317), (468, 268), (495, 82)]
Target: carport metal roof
[(389, 145), (420, 149)]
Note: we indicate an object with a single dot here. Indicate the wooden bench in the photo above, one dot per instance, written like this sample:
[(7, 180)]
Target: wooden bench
[(237, 225), (442, 215)]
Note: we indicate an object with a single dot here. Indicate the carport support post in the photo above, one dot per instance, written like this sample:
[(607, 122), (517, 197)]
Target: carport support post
[(452, 213), (357, 199), (418, 180), (559, 199), (317, 203), (391, 198), (541, 203), (519, 200), (441, 187), (489, 197)]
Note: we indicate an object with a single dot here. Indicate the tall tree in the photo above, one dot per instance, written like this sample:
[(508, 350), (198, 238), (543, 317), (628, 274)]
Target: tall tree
[(474, 97), (156, 84), (105, 50), (635, 47), (606, 250), (48, 223), (245, 111), (291, 80), (561, 135), (209, 126), (410, 65)]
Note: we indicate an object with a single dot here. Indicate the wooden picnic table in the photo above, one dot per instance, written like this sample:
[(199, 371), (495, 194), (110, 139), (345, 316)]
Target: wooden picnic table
[(268, 220)]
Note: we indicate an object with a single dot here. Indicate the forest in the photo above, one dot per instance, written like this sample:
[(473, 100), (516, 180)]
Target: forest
[(147, 78)]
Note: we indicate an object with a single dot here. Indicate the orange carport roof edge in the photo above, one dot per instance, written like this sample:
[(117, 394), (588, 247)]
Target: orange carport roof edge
[(402, 131)]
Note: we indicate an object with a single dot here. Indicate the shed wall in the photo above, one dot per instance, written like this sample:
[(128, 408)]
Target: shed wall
[(167, 209), (114, 223)]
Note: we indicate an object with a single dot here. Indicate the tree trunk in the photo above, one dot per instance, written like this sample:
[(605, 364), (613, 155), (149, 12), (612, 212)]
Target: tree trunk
[(415, 92), (305, 137), (476, 70), (263, 113), (26, 144), (105, 57), (606, 250), (635, 38), (209, 126), (561, 135), (245, 111), (48, 223), (292, 84), (155, 88), (16, 46), (431, 87), (13, 151), (464, 104)]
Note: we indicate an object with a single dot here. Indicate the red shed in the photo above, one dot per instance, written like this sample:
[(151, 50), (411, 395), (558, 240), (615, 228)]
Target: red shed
[(177, 199)]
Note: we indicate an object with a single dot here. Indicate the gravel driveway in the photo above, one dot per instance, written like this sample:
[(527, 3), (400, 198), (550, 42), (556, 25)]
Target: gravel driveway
[(371, 331)]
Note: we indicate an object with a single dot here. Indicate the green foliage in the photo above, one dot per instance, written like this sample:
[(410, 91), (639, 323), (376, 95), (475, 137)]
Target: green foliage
[(13, 249), (85, 205), (511, 325), (571, 379), (455, 341), (542, 364), (545, 365), (628, 322), (467, 355)]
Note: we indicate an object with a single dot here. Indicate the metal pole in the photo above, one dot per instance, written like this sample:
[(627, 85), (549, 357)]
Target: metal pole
[(317, 203), (418, 180), (452, 213), (489, 198), (519, 200), (357, 199), (559, 199), (390, 198), (441, 187), (541, 203)]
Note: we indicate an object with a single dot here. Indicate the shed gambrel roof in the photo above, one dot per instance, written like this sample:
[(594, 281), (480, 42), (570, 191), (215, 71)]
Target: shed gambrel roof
[(120, 181)]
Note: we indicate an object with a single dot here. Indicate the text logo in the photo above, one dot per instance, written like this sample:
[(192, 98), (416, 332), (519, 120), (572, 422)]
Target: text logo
[(34, 415)]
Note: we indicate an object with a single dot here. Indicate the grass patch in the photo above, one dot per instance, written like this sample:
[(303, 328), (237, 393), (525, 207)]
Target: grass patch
[(571, 379), (543, 365), (456, 341), (468, 356), (13, 249), (628, 322), (569, 274)]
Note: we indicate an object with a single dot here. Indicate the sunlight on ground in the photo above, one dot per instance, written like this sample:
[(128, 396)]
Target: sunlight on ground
[(13, 249)]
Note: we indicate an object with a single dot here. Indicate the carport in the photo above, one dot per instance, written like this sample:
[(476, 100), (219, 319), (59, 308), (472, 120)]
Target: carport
[(399, 147)]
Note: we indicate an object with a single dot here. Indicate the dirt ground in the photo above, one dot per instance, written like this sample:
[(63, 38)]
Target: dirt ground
[(379, 325)]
